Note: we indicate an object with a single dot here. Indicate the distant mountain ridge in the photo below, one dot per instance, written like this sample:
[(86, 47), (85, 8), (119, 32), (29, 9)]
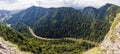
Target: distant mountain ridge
[(4, 15), (89, 25), (103, 13), (67, 21)]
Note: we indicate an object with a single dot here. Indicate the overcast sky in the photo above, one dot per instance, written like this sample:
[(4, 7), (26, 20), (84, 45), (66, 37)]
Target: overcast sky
[(22, 4)]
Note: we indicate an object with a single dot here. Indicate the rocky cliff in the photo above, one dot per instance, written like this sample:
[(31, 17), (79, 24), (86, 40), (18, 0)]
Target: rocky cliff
[(111, 43), (9, 48)]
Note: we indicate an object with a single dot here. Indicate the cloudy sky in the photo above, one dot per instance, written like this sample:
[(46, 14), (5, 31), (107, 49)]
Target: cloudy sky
[(22, 4)]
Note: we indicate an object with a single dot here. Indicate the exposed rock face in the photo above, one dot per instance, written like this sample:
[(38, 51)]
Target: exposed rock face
[(6, 48), (111, 43)]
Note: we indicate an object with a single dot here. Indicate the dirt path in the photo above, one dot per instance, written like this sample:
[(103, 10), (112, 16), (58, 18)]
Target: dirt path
[(73, 39), (32, 32)]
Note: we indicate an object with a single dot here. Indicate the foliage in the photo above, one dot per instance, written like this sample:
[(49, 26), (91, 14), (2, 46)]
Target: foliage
[(90, 24), (32, 44), (63, 22)]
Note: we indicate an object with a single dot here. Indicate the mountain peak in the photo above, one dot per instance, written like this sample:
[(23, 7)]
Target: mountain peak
[(109, 4), (33, 6), (106, 5)]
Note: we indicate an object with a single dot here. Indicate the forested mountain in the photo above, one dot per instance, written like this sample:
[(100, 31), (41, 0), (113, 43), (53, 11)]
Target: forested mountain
[(38, 46), (104, 13), (28, 16), (111, 41), (110, 44), (90, 12), (108, 12), (90, 24), (75, 30)]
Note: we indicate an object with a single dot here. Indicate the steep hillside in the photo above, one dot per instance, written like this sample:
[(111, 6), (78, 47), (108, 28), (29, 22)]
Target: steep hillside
[(61, 22), (110, 45), (7, 47), (108, 14), (105, 13), (90, 12), (88, 26), (9, 44), (28, 16), (40, 46)]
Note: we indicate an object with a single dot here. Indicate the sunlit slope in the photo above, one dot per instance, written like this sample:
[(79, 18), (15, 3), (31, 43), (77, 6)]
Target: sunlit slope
[(40, 46), (7, 47), (94, 50), (110, 44)]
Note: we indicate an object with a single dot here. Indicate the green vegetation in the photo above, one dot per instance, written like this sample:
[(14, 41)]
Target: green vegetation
[(13, 46), (61, 22), (89, 25), (21, 27), (32, 44), (115, 23), (94, 50)]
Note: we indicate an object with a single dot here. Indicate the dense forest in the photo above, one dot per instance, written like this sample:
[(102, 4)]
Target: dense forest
[(89, 24), (34, 45), (88, 27)]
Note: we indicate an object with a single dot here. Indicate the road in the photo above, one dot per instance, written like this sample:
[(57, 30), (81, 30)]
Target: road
[(73, 39), (32, 32)]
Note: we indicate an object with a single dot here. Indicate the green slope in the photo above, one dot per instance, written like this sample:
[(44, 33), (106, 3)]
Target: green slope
[(32, 44), (60, 23), (110, 38)]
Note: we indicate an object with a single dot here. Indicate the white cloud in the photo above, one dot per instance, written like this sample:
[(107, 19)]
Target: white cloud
[(21, 4)]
